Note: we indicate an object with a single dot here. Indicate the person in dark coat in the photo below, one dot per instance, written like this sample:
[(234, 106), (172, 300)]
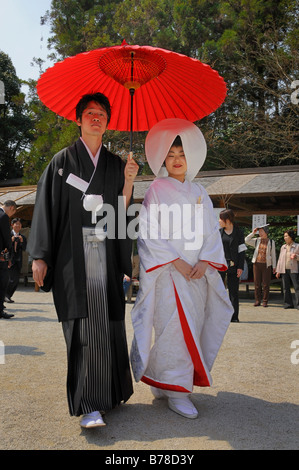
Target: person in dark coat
[(6, 211), (234, 251), (84, 263), (19, 243)]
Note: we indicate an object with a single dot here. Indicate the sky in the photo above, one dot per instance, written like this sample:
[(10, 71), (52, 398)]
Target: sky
[(21, 33)]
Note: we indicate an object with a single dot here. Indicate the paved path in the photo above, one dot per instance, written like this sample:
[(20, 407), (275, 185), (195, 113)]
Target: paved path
[(253, 403)]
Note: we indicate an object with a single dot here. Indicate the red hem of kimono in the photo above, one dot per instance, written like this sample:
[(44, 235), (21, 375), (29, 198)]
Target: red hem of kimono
[(154, 383), (200, 376), (219, 267), (159, 266)]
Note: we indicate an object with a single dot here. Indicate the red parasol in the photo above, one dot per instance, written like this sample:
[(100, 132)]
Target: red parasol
[(144, 85)]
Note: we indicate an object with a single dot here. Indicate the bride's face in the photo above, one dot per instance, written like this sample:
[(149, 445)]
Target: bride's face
[(175, 163)]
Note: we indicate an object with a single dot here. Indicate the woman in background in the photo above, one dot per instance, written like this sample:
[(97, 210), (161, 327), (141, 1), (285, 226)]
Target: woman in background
[(287, 266)]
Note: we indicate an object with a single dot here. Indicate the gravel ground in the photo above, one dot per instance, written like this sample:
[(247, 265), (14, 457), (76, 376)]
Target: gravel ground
[(253, 403)]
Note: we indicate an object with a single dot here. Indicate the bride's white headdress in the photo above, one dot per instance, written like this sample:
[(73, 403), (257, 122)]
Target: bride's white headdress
[(160, 138)]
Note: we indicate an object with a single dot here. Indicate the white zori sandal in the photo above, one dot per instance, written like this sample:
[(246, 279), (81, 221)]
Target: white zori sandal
[(183, 406), (92, 420)]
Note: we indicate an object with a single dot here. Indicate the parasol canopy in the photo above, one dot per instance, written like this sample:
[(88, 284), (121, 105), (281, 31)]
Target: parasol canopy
[(144, 85)]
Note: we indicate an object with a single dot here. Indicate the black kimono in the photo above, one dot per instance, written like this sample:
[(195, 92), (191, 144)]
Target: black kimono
[(56, 237), (5, 243), (234, 251), (16, 264)]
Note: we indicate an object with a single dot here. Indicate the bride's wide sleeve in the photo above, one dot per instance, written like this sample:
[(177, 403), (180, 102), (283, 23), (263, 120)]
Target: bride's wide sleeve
[(153, 248)]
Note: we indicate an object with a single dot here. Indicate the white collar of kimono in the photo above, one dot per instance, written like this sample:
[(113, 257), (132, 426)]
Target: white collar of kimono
[(162, 135), (95, 158)]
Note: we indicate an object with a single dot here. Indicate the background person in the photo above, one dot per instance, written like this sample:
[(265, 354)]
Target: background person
[(287, 267), (6, 211), (127, 283), (128, 288), (263, 261), (234, 252), (19, 244)]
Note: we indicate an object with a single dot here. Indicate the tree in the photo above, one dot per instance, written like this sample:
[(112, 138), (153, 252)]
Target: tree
[(51, 134), (80, 25), (15, 124), (253, 44), (258, 54)]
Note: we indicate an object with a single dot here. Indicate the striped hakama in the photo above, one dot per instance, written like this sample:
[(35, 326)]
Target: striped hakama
[(88, 339)]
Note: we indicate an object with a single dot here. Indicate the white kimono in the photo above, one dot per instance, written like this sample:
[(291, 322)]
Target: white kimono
[(189, 318)]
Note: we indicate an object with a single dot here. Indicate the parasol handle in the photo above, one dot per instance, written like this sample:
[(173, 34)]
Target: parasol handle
[(132, 91)]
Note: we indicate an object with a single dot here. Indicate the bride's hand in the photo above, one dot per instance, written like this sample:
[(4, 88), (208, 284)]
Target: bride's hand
[(198, 271), (183, 267)]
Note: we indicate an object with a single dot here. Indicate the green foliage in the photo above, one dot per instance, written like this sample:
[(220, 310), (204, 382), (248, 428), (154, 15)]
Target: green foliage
[(15, 124), (252, 43), (51, 134), (80, 25)]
